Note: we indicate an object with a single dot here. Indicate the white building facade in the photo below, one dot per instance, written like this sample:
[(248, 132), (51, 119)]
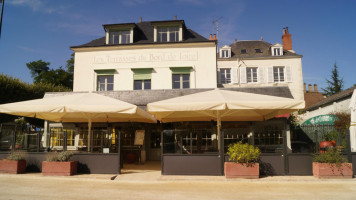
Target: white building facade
[(145, 56)]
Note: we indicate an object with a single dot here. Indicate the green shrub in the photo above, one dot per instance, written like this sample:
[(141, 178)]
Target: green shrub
[(16, 155), (243, 153), (59, 157), (331, 156), (333, 135)]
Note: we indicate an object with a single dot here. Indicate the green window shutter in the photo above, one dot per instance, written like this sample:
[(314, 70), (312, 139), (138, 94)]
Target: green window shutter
[(105, 71), (180, 70), (142, 73)]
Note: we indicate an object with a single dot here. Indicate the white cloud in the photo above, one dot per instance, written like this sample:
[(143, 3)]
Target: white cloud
[(35, 5), (28, 49)]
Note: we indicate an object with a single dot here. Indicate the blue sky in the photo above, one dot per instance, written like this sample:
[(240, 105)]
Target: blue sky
[(323, 31)]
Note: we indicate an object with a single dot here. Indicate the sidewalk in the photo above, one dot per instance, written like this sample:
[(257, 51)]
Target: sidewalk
[(156, 187), (155, 177)]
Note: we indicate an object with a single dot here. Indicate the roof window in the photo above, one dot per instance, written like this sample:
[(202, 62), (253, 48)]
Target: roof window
[(258, 51), (243, 51)]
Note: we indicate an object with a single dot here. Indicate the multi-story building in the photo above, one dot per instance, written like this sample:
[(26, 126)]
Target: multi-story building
[(150, 61), (257, 63), (145, 56)]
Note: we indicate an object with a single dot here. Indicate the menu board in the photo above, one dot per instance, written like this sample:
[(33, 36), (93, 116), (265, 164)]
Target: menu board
[(139, 137)]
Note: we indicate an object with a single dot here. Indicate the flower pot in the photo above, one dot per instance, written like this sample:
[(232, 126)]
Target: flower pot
[(13, 166), (242, 170), (331, 170), (326, 144), (59, 168)]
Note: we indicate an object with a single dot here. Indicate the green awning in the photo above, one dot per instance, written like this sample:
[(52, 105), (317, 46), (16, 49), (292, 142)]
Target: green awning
[(105, 71), (180, 70), (142, 73)]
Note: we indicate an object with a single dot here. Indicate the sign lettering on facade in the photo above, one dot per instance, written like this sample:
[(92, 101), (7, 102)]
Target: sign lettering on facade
[(151, 57), (321, 119)]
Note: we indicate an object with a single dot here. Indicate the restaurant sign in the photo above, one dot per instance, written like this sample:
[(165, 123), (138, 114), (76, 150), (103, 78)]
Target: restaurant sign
[(320, 119)]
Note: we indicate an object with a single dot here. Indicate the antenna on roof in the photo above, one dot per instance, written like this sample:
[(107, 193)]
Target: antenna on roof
[(216, 26)]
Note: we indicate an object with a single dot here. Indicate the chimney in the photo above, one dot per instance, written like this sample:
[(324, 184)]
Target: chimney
[(310, 89), (215, 37), (287, 39), (140, 20), (211, 37), (305, 88), (175, 17), (315, 88), (262, 38)]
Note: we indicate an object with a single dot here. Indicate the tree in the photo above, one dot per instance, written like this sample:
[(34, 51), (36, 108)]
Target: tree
[(335, 83), (37, 69), (41, 73)]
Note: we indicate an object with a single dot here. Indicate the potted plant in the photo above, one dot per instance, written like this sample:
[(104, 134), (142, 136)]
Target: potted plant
[(15, 163), (331, 165), (245, 159), (59, 164)]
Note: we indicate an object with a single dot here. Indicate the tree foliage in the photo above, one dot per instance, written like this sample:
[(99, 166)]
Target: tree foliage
[(335, 83), (41, 73)]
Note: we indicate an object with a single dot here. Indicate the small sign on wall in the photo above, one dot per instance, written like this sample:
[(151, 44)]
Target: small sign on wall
[(106, 150), (139, 137)]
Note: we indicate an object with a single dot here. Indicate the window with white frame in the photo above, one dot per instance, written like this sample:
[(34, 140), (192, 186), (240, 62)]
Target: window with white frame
[(251, 74), (277, 51), (105, 83), (142, 84), (180, 81), (278, 74), (225, 75), (225, 53), (168, 34), (119, 37)]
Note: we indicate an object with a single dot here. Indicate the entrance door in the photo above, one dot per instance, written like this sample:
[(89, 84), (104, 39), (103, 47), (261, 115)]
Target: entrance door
[(153, 145)]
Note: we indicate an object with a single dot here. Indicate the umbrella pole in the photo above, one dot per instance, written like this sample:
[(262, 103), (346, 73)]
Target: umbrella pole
[(220, 143), (89, 135)]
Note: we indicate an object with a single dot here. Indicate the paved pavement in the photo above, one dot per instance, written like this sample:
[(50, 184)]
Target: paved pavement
[(154, 186)]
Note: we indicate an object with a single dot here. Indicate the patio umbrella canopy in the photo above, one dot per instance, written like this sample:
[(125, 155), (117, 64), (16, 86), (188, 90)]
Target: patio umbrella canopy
[(223, 105), (82, 107)]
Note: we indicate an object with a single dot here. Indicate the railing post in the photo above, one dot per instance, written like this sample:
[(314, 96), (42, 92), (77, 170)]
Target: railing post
[(348, 146)]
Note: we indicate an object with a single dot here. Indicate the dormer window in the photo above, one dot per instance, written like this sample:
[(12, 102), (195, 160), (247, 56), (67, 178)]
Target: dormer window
[(168, 31), (225, 52), (119, 33), (167, 34), (119, 37), (277, 50)]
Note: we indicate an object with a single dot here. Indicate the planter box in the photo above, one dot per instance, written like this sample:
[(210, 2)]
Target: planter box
[(326, 170), (239, 170), (13, 166), (59, 168)]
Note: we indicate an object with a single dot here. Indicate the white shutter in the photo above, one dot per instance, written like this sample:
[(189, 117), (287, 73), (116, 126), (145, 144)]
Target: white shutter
[(243, 75), (289, 74), (261, 75), (270, 74), (234, 75)]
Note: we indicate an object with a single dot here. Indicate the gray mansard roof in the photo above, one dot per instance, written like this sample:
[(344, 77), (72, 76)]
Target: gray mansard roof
[(143, 34), (143, 97), (251, 45)]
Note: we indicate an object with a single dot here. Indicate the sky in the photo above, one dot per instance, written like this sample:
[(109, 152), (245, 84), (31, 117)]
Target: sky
[(323, 31)]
